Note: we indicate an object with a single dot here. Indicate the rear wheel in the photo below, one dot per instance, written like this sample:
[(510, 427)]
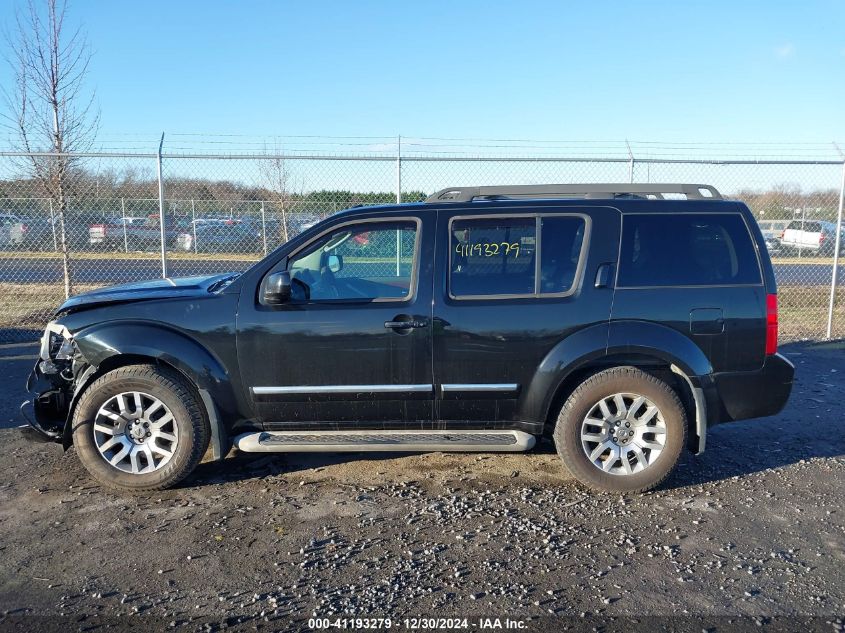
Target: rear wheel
[(140, 427), (622, 430)]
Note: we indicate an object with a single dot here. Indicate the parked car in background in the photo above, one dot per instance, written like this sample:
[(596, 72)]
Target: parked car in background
[(133, 233), (35, 234), (218, 237), (297, 223), (814, 237), (772, 231), (7, 220), (249, 236)]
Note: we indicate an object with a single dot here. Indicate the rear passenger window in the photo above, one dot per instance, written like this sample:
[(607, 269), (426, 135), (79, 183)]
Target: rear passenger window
[(687, 250), (499, 256), (493, 257)]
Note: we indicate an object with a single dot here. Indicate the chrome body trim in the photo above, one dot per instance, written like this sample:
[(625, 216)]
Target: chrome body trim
[(317, 389), (479, 387)]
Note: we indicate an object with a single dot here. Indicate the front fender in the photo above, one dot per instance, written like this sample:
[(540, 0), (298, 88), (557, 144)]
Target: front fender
[(100, 343)]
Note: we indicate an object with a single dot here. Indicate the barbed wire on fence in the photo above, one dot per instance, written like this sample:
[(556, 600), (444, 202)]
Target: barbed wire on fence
[(225, 211)]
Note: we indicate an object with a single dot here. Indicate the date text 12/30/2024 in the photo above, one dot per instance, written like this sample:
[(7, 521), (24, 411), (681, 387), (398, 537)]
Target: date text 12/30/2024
[(417, 624)]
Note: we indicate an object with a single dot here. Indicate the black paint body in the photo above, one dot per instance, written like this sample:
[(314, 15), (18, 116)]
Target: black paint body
[(227, 341)]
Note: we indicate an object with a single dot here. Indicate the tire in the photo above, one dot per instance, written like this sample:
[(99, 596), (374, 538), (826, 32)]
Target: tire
[(643, 472), (109, 404)]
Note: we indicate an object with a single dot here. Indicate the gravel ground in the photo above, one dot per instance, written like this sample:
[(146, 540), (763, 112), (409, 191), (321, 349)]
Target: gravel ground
[(750, 532)]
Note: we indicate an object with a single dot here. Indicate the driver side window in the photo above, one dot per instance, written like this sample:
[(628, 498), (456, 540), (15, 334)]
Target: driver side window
[(359, 262)]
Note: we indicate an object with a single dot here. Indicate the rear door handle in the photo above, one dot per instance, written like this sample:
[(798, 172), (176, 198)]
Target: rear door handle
[(603, 275)]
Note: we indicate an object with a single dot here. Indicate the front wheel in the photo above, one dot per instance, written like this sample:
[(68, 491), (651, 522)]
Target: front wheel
[(140, 427), (622, 430)]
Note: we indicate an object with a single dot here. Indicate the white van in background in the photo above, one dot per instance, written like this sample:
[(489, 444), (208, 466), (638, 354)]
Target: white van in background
[(816, 237)]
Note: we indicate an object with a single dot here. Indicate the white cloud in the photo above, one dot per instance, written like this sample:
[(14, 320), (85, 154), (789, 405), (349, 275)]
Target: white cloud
[(785, 50)]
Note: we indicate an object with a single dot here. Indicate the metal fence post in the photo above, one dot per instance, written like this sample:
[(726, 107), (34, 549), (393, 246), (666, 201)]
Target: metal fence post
[(398, 195), (263, 228), (53, 224), (161, 220), (801, 244), (835, 273), (194, 223), (125, 236), (630, 164), (399, 169)]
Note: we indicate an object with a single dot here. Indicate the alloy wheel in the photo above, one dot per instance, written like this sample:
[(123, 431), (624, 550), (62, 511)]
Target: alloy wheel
[(623, 434), (135, 432)]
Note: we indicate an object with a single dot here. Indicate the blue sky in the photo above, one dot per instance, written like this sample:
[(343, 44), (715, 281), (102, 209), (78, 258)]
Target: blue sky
[(667, 71)]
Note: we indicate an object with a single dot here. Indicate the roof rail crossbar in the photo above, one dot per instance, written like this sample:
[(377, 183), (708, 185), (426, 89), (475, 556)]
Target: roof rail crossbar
[(588, 190)]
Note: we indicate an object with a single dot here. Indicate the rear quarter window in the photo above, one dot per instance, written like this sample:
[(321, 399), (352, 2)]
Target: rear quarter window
[(687, 250)]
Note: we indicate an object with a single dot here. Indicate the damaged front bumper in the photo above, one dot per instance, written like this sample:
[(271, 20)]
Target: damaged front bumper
[(50, 385), (45, 413)]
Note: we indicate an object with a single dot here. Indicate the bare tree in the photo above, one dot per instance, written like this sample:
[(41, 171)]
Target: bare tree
[(277, 178), (50, 113)]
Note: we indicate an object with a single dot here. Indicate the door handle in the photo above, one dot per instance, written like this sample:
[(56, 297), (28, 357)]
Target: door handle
[(404, 325), (603, 275)]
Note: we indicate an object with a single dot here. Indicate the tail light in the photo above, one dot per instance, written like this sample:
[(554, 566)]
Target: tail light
[(822, 238), (24, 228), (782, 234), (771, 324)]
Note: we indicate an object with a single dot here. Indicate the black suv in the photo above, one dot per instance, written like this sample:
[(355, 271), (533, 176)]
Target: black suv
[(617, 319)]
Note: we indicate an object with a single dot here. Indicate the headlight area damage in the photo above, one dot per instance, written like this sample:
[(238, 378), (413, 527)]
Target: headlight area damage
[(52, 384)]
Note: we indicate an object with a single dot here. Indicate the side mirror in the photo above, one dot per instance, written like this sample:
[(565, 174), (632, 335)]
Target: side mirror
[(276, 288), (335, 263)]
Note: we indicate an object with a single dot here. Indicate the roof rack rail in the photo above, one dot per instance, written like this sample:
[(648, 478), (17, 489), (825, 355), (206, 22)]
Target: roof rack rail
[(588, 190)]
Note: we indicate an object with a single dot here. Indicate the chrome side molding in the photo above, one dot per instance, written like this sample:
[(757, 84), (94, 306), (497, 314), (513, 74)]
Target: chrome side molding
[(317, 389), (479, 387), (341, 389)]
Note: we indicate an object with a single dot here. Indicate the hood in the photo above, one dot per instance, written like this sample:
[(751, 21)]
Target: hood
[(169, 288)]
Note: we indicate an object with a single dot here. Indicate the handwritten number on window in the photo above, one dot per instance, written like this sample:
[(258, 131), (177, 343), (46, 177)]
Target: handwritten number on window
[(487, 249)]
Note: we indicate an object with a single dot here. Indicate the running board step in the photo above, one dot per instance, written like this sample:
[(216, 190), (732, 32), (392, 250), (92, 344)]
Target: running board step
[(469, 441)]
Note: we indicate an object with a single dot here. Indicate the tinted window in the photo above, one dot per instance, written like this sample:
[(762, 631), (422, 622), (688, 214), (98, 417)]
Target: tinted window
[(359, 262), (687, 250), (499, 256), (560, 249), (492, 257)]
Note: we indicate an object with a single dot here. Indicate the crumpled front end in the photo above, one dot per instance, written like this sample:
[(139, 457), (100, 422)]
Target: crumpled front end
[(52, 385)]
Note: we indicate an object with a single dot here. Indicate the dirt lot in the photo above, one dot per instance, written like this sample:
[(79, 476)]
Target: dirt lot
[(752, 530)]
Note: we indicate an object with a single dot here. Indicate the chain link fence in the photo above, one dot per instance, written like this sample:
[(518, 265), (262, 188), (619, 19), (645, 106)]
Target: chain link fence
[(223, 213)]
